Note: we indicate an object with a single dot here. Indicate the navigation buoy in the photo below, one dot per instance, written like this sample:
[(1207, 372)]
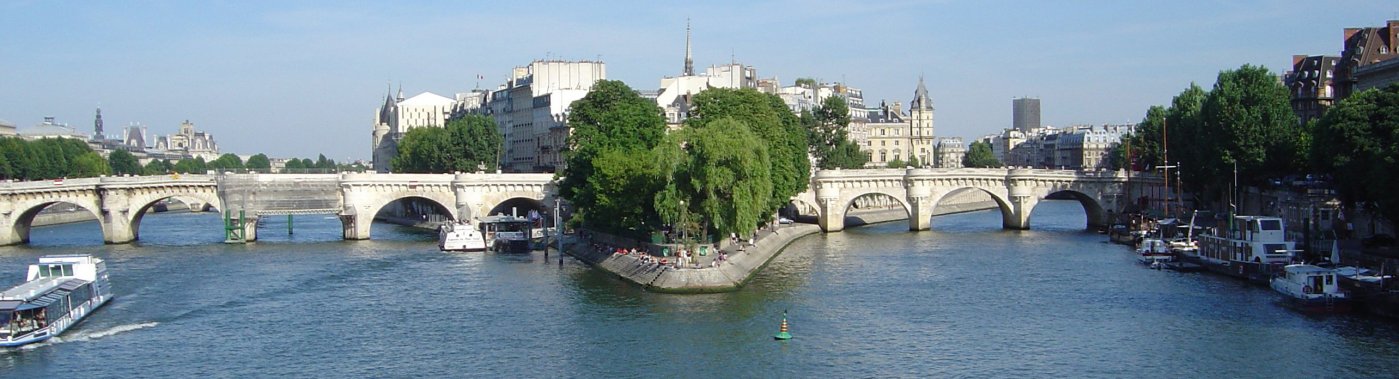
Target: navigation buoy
[(782, 331)]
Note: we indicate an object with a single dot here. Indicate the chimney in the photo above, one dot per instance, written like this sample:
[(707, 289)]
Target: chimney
[(1392, 26), (1349, 32)]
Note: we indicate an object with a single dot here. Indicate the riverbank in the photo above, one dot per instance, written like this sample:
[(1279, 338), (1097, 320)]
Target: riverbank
[(743, 260)]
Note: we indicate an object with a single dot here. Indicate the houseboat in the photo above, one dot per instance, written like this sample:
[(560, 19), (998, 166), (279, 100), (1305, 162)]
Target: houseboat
[(1154, 253), (1250, 247), (460, 236), (58, 293), (507, 233), (1311, 288)]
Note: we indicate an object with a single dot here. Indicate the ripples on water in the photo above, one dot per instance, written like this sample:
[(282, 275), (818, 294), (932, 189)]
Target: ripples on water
[(965, 299)]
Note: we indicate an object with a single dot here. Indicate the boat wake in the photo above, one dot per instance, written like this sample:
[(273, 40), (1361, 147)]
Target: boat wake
[(94, 335)]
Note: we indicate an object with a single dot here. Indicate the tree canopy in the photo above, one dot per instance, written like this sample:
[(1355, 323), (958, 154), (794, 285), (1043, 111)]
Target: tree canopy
[(609, 159), (1357, 142), (124, 163), (466, 144), (50, 158), (827, 135), (228, 162), (768, 118), (979, 155), (259, 162)]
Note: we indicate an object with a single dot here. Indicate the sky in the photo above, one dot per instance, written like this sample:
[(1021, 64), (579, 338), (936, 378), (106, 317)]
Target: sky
[(301, 78)]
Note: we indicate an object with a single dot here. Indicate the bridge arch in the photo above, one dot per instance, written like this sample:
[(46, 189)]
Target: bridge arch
[(947, 200), (26, 210), (855, 198), (361, 225), (144, 202), (1096, 214)]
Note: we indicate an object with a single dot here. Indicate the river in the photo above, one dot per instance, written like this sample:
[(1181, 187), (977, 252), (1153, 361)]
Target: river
[(964, 299)]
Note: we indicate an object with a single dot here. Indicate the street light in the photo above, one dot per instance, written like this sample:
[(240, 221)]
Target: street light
[(683, 226)]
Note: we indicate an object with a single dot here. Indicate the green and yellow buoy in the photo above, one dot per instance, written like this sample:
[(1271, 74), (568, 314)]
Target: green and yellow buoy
[(782, 334)]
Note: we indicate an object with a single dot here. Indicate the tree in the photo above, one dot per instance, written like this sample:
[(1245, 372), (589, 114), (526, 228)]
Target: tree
[(979, 155), (191, 166), (1249, 119), (827, 135), (158, 167), (89, 164), (729, 176), (896, 163), (1355, 142), (466, 144), (767, 117), (614, 133), (293, 165), (226, 162), (123, 163), (806, 82), (259, 163)]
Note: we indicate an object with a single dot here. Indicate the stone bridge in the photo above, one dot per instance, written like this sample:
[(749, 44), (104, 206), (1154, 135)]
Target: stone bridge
[(1015, 191), (119, 203)]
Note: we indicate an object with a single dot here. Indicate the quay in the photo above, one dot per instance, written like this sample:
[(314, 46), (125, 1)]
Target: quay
[(733, 273)]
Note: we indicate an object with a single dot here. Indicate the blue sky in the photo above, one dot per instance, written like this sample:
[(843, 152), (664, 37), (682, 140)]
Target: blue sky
[(294, 78)]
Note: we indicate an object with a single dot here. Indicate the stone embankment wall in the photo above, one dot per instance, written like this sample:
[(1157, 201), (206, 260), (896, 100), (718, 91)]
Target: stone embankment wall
[(741, 265)]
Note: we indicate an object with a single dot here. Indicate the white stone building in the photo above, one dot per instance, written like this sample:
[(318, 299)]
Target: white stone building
[(895, 135), (531, 110), (399, 115), (189, 142)]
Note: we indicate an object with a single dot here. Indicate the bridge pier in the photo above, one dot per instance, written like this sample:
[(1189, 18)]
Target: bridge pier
[(116, 226), (355, 227), (1020, 208), (832, 218)]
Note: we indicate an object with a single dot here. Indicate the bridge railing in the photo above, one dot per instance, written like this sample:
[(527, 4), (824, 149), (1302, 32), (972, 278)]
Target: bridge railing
[(88, 182)]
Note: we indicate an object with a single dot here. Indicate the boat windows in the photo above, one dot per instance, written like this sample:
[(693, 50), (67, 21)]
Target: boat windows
[(55, 270), (1271, 224)]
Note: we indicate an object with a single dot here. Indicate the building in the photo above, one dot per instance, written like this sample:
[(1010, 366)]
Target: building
[(1081, 147), (675, 93), (135, 138), (1377, 75), (51, 129), (948, 152), (425, 110), (8, 129), (893, 135), (1363, 47), (1025, 114), (1310, 84), (189, 142), (531, 110)]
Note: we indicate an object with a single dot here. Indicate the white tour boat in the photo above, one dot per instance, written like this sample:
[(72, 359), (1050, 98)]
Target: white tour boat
[(60, 291), (1250, 247), (1311, 288), (1154, 252), (508, 233), (460, 236)]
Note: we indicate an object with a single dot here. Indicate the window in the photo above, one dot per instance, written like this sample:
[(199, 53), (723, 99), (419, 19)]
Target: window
[(1271, 224), (882, 132)]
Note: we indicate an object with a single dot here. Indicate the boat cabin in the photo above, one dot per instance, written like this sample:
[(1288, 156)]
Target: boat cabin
[(1253, 239), (1315, 280)]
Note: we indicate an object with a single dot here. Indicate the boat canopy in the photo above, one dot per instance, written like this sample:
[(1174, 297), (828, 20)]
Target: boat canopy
[(1306, 269)]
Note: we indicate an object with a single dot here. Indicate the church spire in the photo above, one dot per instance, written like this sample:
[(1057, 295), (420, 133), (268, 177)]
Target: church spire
[(920, 96), (98, 124), (689, 64)]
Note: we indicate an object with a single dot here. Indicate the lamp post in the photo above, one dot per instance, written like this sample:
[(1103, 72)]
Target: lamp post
[(684, 228)]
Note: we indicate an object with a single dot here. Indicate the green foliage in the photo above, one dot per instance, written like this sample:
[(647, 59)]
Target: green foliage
[(123, 163), (467, 144), (827, 136), (767, 117), (897, 163), (293, 164), (610, 159), (913, 162), (259, 162), (728, 176), (49, 159), (806, 82), (1357, 142), (228, 162), (191, 166), (979, 155), (1250, 122), (158, 167)]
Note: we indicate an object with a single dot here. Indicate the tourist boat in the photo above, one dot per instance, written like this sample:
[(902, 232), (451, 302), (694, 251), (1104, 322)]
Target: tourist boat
[(1249, 247), (60, 291), (1311, 288), (460, 236), (1154, 252), (507, 233)]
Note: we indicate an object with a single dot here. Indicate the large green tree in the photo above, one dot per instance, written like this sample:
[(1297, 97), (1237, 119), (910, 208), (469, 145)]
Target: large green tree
[(729, 176), (767, 117), (123, 163), (1357, 142), (227, 161), (466, 144), (607, 176), (158, 167), (827, 135), (979, 155), (259, 163), (1249, 119)]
